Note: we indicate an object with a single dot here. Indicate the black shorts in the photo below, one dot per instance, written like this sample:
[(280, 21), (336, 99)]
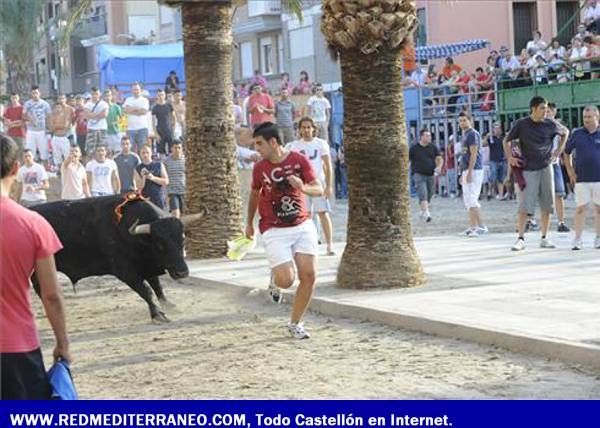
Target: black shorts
[(24, 376), (176, 202)]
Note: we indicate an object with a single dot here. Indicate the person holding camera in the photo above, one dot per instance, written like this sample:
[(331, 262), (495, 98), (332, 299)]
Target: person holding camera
[(151, 177)]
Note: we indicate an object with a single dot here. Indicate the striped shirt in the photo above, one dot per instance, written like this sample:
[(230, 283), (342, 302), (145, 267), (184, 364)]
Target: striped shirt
[(176, 172)]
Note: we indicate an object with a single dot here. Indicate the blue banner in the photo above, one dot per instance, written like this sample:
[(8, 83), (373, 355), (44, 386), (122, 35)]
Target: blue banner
[(291, 413)]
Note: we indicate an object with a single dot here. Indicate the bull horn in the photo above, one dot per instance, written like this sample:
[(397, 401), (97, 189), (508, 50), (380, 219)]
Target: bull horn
[(142, 229), (190, 218)]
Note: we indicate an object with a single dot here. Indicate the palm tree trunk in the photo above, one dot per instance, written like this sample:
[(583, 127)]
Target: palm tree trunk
[(212, 175), (380, 251)]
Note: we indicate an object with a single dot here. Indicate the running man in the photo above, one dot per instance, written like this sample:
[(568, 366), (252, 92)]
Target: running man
[(536, 139), (318, 153), (279, 184), (425, 161)]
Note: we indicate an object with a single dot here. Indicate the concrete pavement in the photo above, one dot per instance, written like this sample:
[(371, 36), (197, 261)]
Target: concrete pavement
[(542, 302)]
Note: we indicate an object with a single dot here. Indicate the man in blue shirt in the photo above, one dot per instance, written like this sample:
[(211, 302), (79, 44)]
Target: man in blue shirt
[(586, 175)]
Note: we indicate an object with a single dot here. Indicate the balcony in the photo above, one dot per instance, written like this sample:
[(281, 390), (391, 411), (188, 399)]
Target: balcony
[(267, 7), (91, 27)]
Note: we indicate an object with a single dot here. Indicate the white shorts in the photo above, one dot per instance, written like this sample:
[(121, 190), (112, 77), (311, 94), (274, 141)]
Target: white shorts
[(178, 132), (282, 243), (61, 146), (472, 190), (586, 193), (113, 142), (37, 140)]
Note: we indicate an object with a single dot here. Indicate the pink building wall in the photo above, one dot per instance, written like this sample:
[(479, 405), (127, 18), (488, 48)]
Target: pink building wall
[(458, 20)]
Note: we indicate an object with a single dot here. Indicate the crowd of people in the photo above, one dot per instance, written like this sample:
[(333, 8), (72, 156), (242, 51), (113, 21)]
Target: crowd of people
[(537, 162), (453, 89)]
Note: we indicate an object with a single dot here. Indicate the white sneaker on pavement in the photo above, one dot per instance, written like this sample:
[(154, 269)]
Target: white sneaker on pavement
[(577, 244), (297, 331), (472, 233), (546, 243), (274, 292), (519, 245), (483, 229)]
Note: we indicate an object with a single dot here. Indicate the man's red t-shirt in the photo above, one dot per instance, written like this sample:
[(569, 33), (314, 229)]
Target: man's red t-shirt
[(25, 236), (280, 204), (15, 113), (80, 122), (256, 117)]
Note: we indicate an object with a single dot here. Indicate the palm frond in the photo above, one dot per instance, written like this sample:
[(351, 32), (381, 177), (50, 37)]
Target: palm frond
[(295, 7), (72, 20)]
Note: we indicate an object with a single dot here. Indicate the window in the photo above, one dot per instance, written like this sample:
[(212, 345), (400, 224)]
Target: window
[(421, 39), (301, 43), (246, 59), (142, 25), (524, 23), (266, 55), (166, 15), (564, 12)]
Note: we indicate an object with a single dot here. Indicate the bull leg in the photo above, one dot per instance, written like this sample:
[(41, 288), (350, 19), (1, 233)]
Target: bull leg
[(145, 292), (158, 290)]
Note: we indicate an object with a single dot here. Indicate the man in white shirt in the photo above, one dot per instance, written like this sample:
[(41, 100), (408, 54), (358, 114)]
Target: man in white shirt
[(509, 64), (591, 16), (136, 108), (320, 111), (95, 112), (36, 112), (34, 181), (102, 174), (317, 152)]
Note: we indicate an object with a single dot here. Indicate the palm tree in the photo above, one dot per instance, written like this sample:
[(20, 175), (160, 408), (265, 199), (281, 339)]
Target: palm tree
[(18, 39), (368, 36)]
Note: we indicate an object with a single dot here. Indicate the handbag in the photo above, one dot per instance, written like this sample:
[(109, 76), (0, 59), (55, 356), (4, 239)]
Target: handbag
[(61, 381)]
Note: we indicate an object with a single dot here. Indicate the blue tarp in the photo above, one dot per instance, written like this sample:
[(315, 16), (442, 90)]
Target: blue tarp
[(449, 49), (149, 64)]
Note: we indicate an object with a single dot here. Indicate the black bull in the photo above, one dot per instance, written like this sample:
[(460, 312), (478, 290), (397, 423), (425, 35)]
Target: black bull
[(137, 248)]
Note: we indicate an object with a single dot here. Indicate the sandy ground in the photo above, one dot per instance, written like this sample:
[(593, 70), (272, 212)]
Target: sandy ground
[(228, 343)]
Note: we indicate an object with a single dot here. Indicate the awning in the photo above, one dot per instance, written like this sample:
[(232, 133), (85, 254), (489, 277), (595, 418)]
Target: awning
[(450, 49)]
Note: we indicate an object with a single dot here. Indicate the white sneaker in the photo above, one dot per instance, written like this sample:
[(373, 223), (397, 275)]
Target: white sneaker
[(519, 245), (297, 331), (577, 245), (482, 229), (274, 292), (546, 243), (597, 243), (427, 217), (472, 233)]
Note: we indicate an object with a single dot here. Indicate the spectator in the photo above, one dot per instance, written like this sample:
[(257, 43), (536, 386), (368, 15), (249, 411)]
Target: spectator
[(497, 160), (581, 68), (585, 177), (539, 71), (260, 106), (258, 79), (341, 174), (163, 123), (27, 244), (450, 164), (304, 85), (36, 112), (172, 82), (102, 174), (320, 111), (496, 57), (484, 85), (126, 162), (136, 107), (555, 51), (33, 180), (117, 96), (563, 75), (243, 92), (472, 175), (151, 177), (418, 77), (510, 66), (535, 134), (179, 109), (80, 123), (425, 161), (285, 113), (450, 67), (581, 33), (537, 44), (559, 182), (591, 16), (175, 168), (113, 136), (60, 126), (286, 83), (14, 121), (73, 177), (96, 112)]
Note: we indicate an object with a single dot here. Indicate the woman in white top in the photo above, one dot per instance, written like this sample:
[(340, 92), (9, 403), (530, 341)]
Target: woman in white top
[(578, 53), (537, 44)]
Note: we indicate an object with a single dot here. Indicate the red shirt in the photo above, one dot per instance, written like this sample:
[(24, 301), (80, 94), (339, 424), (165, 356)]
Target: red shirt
[(281, 205), (25, 236), (15, 113), (256, 117), (80, 122)]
